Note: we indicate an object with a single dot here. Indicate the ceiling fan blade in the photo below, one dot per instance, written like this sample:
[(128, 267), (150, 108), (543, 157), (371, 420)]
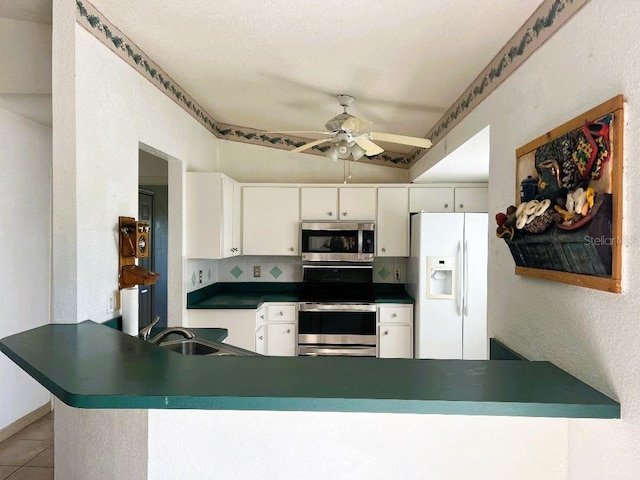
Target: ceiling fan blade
[(402, 139), (368, 146), (307, 146), (355, 124)]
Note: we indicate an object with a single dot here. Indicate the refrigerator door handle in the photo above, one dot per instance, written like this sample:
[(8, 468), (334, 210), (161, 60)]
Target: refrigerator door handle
[(465, 299), (458, 283)]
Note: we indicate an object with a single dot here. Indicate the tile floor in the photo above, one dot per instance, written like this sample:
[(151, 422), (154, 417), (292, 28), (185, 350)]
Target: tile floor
[(28, 455)]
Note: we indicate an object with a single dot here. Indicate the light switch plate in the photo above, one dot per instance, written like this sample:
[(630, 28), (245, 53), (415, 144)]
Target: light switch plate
[(256, 271)]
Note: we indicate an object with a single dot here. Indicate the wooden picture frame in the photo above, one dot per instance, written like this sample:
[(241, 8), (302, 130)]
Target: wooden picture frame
[(567, 252)]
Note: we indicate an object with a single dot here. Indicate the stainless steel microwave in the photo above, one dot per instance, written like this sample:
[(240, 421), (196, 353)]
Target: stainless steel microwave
[(338, 241)]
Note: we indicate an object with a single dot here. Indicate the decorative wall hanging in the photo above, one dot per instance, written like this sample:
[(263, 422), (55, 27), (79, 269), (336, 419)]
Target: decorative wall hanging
[(133, 241), (566, 223)]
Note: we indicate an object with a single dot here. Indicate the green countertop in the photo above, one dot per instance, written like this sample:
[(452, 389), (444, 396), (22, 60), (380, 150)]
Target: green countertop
[(252, 294), (89, 365)]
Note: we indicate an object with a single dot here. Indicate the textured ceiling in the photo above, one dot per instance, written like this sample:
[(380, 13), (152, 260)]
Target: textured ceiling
[(36, 11), (277, 65)]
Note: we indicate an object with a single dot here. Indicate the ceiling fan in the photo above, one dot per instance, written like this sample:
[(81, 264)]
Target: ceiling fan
[(347, 139)]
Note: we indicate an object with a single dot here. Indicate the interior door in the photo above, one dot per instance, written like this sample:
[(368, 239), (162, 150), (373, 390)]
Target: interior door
[(146, 292)]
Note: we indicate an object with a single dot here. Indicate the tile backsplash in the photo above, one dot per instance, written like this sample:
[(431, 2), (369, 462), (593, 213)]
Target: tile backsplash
[(275, 269)]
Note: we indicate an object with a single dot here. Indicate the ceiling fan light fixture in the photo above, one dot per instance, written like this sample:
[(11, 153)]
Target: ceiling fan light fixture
[(332, 153), (357, 151), (343, 150)]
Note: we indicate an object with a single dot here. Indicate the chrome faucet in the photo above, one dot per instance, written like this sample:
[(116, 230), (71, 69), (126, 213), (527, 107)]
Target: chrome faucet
[(188, 334), (145, 333)]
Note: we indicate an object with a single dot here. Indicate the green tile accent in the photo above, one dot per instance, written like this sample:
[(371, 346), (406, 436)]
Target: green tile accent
[(384, 273), (209, 274), (275, 272), (193, 279), (236, 271)]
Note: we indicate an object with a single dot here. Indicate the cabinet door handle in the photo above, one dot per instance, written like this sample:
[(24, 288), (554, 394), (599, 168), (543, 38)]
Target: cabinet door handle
[(386, 332), (461, 205), (344, 214), (446, 205), (291, 249), (260, 337), (288, 330), (330, 214), (383, 249), (281, 313), (394, 315), (144, 291), (262, 317)]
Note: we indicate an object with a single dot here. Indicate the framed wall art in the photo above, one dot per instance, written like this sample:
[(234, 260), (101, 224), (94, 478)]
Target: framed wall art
[(566, 222)]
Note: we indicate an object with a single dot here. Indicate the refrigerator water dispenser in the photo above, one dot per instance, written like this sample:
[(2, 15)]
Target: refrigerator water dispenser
[(440, 277)]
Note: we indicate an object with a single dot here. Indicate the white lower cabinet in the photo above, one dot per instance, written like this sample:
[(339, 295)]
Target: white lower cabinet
[(276, 332), (240, 324), (281, 341), (395, 331), (261, 340)]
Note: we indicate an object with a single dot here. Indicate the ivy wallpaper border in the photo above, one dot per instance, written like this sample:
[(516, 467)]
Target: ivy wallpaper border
[(100, 27), (545, 21)]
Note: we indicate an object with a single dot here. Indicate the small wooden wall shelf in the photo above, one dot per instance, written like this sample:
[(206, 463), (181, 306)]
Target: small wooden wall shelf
[(133, 243)]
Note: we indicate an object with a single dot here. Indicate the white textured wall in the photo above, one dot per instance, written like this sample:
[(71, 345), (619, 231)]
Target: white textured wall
[(594, 335), (116, 112), (321, 445), (25, 251), (253, 164), (101, 444)]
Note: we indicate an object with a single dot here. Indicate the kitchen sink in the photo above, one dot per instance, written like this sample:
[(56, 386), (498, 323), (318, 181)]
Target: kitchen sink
[(198, 346), (190, 347)]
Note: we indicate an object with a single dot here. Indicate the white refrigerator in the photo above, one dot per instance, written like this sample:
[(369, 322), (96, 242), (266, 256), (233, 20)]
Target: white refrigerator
[(447, 277)]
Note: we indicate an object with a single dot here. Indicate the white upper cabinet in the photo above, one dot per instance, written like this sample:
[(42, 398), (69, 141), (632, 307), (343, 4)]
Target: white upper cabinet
[(431, 199), (319, 203), (270, 221), (392, 224), (232, 215), (448, 199), (468, 199), (357, 203), (338, 203), (212, 215)]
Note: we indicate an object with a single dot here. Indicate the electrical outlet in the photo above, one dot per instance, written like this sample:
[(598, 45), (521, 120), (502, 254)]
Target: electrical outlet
[(397, 274), (256, 271)]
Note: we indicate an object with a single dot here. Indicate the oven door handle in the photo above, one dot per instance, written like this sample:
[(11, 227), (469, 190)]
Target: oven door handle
[(338, 308), (349, 351)]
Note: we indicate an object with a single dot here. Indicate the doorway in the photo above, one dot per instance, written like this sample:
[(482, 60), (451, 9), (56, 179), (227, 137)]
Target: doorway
[(153, 207)]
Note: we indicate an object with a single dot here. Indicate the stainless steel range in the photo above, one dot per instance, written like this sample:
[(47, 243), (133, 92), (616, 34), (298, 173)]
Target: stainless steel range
[(337, 311)]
